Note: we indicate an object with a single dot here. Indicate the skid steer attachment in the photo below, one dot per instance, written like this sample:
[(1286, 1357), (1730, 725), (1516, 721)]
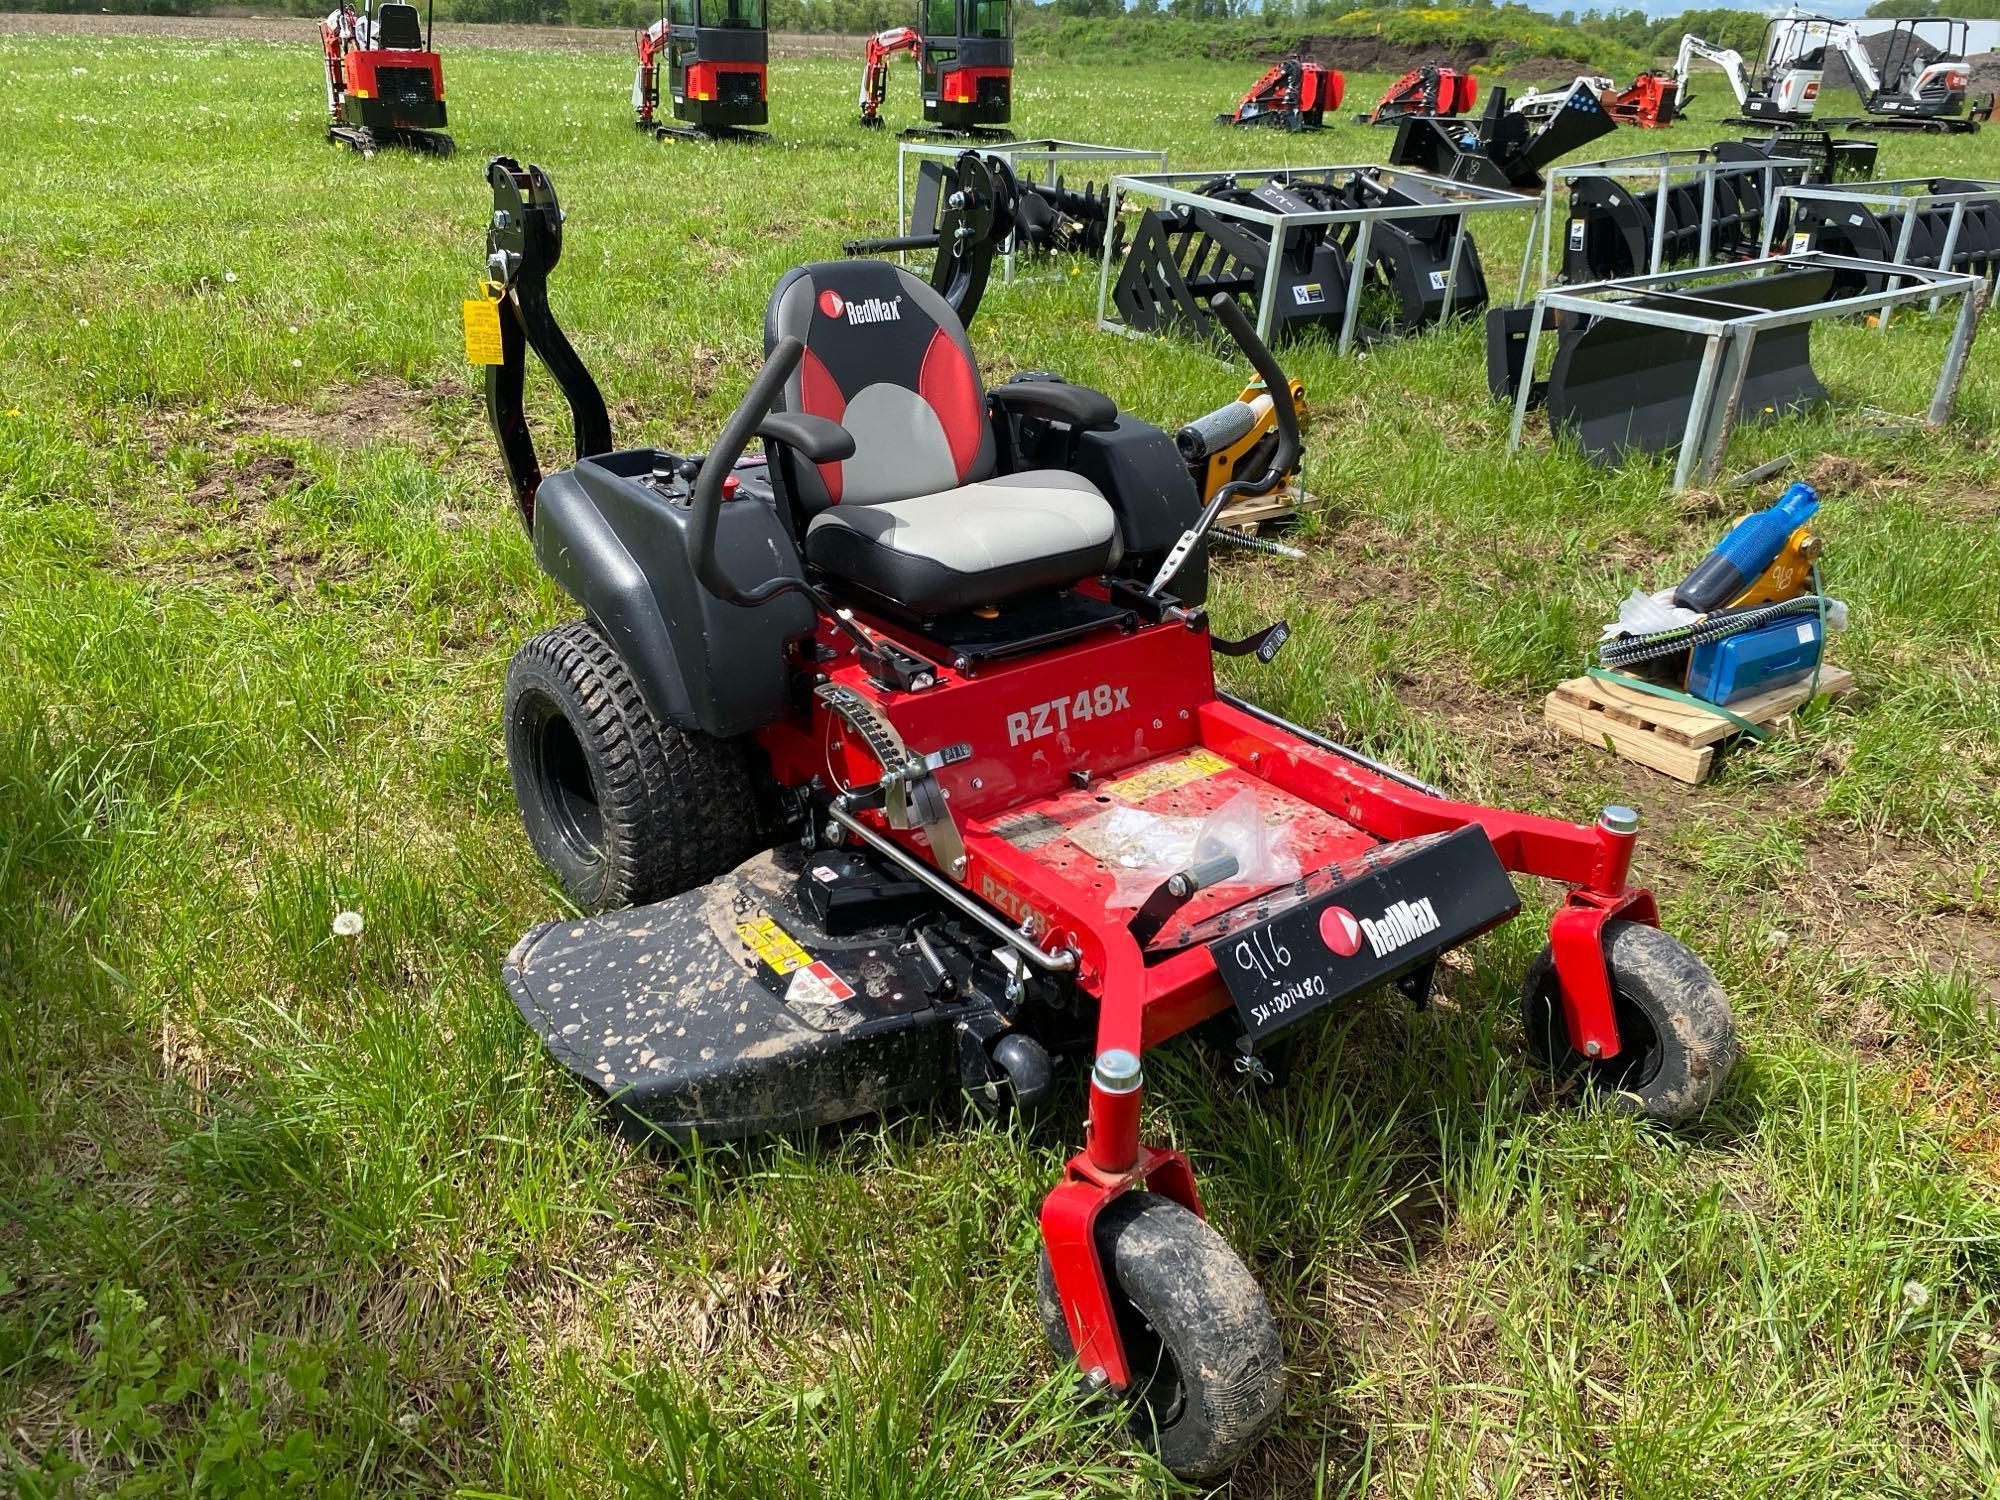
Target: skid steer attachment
[(1182, 258), (1503, 149), (1621, 387), (1043, 218), (1616, 221), (1829, 158), (1843, 223)]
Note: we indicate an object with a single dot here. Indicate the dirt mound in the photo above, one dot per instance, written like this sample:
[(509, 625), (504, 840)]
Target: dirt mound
[(1374, 54)]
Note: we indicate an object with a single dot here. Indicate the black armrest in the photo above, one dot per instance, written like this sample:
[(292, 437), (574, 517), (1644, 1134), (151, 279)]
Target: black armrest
[(1056, 401), (814, 439)]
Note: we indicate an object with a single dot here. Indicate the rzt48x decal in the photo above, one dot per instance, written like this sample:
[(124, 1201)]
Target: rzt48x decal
[(1059, 713)]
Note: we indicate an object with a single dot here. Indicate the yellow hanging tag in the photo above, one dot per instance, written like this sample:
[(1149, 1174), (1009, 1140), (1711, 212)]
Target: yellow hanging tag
[(482, 330)]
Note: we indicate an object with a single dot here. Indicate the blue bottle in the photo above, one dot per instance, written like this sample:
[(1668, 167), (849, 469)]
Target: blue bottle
[(1752, 545)]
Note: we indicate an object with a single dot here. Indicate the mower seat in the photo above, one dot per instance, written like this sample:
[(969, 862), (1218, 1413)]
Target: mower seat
[(398, 28), (918, 516)]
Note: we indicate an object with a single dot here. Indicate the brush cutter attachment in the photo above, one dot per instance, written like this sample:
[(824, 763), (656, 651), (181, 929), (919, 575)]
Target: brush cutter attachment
[(1865, 231), (1293, 95), (1503, 149), (1428, 90), (1623, 387), (1182, 258)]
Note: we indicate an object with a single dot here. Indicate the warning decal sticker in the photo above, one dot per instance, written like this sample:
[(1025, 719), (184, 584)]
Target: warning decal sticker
[(817, 984), (772, 944), (1194, 766)]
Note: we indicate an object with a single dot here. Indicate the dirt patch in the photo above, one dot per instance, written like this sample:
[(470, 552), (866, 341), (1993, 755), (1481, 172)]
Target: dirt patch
[(292, 29), (224, 535)]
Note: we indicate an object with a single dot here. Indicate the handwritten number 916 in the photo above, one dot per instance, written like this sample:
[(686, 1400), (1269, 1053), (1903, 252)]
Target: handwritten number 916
[(1262, 954)]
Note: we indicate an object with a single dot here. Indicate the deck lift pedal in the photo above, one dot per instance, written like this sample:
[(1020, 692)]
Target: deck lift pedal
[(865, 864), (964, 51), (715, 65), (384, 83)]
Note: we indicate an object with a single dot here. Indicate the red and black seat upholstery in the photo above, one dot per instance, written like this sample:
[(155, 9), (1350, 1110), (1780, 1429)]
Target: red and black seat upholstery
[(919, 516)]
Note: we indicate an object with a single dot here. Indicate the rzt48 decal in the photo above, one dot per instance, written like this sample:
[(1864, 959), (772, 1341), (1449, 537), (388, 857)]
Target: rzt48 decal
[(1059, 713)]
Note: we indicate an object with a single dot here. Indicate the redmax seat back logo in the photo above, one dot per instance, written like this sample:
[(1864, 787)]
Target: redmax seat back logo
[(868, 310)]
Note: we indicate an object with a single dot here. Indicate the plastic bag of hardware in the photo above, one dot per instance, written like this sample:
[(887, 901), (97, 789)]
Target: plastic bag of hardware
[(1142, 849)]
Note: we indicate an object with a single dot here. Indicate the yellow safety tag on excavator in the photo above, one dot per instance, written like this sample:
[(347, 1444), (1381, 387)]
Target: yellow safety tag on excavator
[(482, 332)]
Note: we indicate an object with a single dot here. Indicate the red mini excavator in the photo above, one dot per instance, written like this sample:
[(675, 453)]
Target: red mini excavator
[(384, 84), (1429, 90), (964, 50), (1292, 95), (713, 53)]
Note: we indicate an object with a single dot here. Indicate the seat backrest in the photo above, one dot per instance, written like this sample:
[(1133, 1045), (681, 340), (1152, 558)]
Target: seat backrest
[(887, 358), (399, 27)]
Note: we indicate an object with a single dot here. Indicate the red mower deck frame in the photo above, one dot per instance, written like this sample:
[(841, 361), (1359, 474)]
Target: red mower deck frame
[(1126, 705)]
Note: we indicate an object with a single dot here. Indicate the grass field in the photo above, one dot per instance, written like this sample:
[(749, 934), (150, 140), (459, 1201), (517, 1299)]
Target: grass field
[(286, 1214)]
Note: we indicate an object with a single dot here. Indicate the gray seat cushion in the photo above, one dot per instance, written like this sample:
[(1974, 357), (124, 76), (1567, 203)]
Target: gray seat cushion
[(978, 544)]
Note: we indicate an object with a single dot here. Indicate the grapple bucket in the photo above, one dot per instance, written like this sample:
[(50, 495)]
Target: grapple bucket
[(1180, 258)]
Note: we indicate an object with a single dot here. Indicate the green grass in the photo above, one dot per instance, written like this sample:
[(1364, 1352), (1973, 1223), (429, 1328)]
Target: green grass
[(284, 1214)]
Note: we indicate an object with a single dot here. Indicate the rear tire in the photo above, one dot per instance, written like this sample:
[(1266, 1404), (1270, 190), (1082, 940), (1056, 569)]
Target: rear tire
[(1677, 1037), (624, 809), (1208, 1372)]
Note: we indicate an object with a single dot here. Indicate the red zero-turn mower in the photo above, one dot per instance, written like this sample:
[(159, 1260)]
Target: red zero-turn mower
[(713, 53), (1292, 95), (841, 754), (964, 51), (384, 84)]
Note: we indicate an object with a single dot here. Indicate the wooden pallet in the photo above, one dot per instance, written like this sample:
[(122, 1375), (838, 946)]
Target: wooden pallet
[(1254, 511), (1672, 738)]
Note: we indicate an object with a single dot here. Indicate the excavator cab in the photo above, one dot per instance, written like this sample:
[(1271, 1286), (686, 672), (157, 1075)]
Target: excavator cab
[(1923, 71), (713, 54), (1791, 66), (966, 63), (964, 51)]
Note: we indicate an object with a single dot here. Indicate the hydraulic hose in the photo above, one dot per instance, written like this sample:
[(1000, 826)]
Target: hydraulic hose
[(1627, 650)]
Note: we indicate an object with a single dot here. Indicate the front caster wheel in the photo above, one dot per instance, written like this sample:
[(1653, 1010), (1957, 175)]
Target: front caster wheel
[(1678, 1041), (1206, 1367)]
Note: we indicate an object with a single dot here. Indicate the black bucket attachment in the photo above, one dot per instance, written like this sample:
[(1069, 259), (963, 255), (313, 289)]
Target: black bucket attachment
[(1839, 226), (1180, 258), (1612, 223), (1830, 158), (1621, 387), (1503, 149)]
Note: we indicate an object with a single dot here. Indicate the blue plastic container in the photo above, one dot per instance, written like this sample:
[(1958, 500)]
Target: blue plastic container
[(1782, 652)]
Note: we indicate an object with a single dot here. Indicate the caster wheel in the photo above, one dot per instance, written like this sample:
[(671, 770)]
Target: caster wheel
[(1207, 1369), (1679, 1041)]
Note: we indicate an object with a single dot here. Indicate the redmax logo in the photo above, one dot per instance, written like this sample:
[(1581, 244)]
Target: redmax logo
[(830, 303), (1339, 931)]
